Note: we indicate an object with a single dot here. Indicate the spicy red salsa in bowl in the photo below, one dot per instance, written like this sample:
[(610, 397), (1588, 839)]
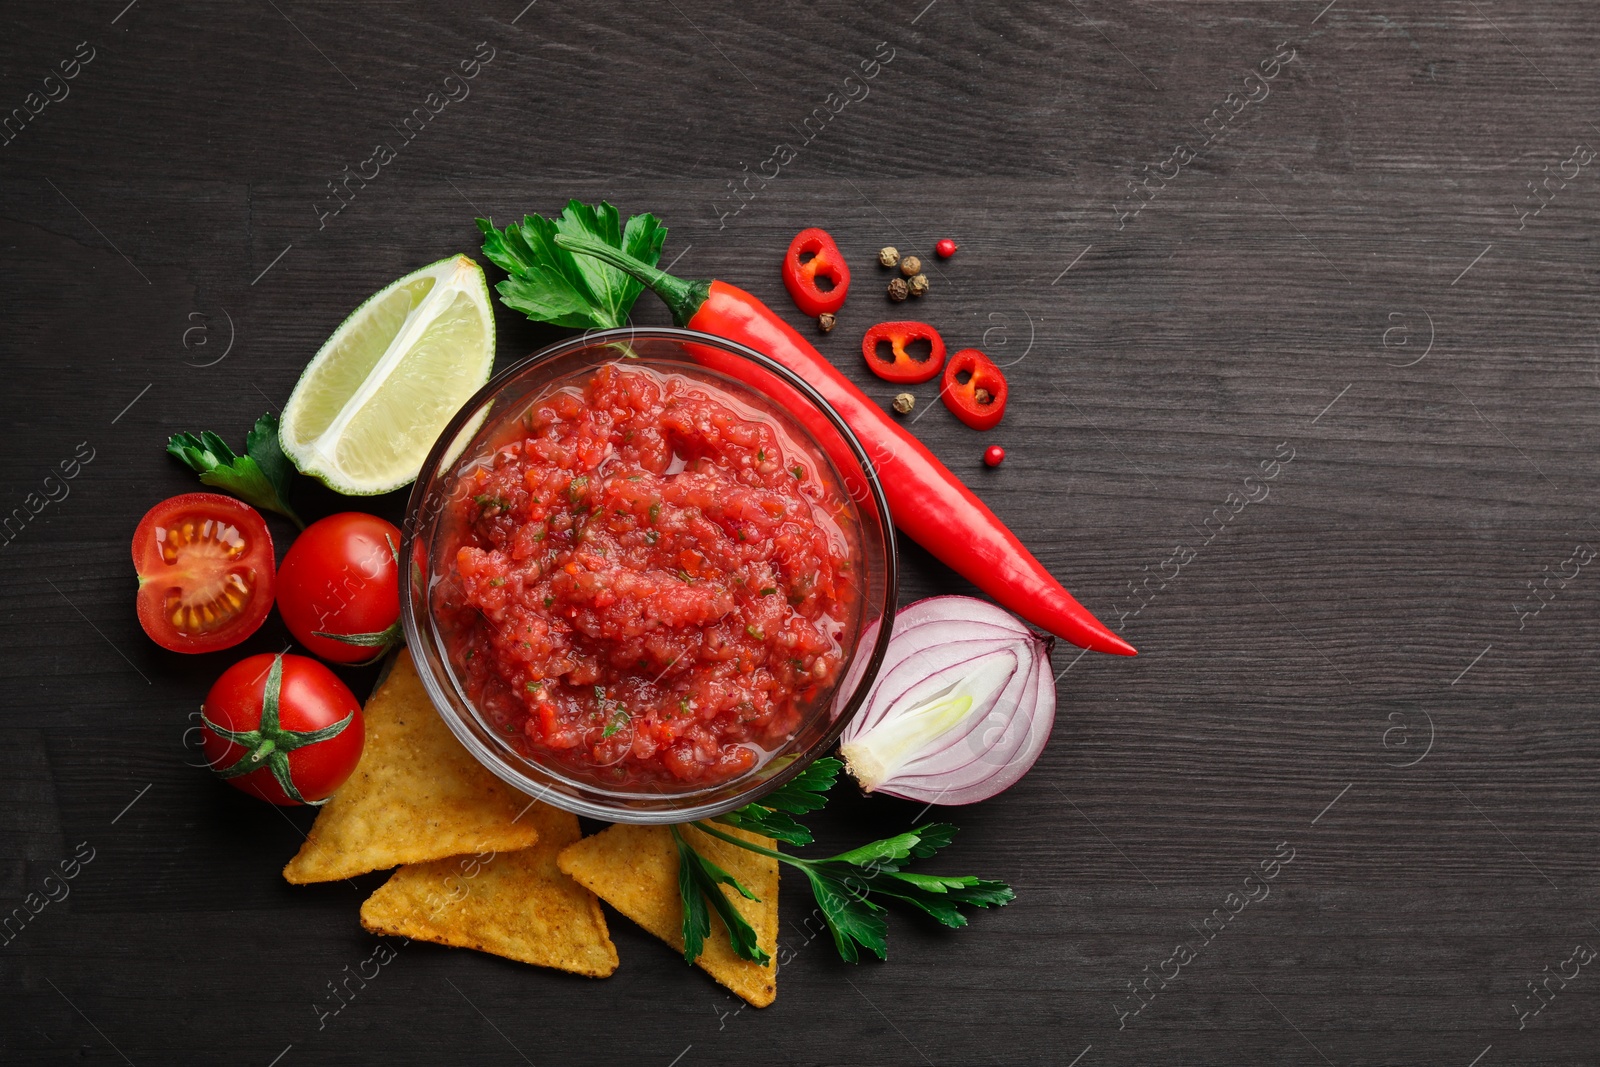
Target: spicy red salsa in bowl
[(645, 580)]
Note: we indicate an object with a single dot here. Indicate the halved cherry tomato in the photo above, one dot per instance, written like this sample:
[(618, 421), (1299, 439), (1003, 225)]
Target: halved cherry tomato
[(974, 389), (903, 367), (205, 572), (282, 728), (825, 261), (339, 587)]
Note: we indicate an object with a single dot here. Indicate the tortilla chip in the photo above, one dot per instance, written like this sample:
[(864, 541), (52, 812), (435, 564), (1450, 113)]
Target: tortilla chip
[(416, 795), (635, 870), (514, 904)]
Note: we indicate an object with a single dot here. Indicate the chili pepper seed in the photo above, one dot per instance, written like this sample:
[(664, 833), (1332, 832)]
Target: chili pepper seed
[(904, 402), (889, 255), (910, 265), (898, 290), (993, 455)]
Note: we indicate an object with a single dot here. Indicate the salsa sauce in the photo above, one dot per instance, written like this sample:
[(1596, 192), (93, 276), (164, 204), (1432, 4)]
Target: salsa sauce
[(647, 581)]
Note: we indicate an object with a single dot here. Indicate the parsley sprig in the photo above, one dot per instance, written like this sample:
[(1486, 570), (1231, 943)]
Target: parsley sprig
[(772, 815), (260, 477), (550, 284), (844, 885), (698, 879)]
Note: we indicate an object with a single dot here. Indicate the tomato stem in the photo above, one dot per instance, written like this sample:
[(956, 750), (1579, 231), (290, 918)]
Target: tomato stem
[(382, 641), (271, 742)]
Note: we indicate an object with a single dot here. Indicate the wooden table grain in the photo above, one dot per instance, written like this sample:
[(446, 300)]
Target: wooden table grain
[(1297, 301)]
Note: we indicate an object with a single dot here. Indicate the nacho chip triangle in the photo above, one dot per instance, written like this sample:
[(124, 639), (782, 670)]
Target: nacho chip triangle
[(513, 904), (635, 870), (416, 795)]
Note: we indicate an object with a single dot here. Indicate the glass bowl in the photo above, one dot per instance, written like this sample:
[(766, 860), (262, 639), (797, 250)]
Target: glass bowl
[(765, 390)]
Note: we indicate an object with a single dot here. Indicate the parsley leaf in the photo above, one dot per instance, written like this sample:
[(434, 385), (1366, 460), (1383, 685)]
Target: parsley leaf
[(881, 855), (769, 823), (806, 791), (844, 885), (619, 719), (935, 894), (699, 882), (963, 889), (932, 838), (549, 284), (852, 918), (260, 477)]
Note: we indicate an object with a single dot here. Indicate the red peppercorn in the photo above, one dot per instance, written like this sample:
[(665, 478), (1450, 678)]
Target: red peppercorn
[(946, 248), (993, 455)]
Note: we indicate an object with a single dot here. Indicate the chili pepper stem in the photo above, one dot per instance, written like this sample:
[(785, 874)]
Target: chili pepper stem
[(682, 297)]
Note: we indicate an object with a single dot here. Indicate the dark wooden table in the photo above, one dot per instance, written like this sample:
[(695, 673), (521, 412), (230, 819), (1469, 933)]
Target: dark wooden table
[(1303, 400)]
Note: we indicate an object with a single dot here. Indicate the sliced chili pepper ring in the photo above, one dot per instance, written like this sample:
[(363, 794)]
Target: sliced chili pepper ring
[(825, 261), (903, 368), (980, 399)]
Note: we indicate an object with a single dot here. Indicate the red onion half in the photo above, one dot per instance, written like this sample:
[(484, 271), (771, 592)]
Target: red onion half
[(961, 708)]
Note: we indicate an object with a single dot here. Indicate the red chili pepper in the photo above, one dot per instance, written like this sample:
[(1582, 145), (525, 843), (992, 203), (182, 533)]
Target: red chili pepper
[(980, 400), (800, 278), (930, 504), (903, 368)]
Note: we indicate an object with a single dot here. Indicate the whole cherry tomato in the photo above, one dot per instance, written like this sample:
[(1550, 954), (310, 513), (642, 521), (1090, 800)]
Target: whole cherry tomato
[(205, 572), (339, 587), (974, 389), (812, 255), (282, 728)]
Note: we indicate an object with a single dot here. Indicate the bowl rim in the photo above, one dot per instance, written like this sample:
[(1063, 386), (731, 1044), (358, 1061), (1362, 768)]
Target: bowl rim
[(413, 524)]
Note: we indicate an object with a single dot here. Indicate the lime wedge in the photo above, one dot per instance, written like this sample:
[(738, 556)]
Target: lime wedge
[(370, 404)]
